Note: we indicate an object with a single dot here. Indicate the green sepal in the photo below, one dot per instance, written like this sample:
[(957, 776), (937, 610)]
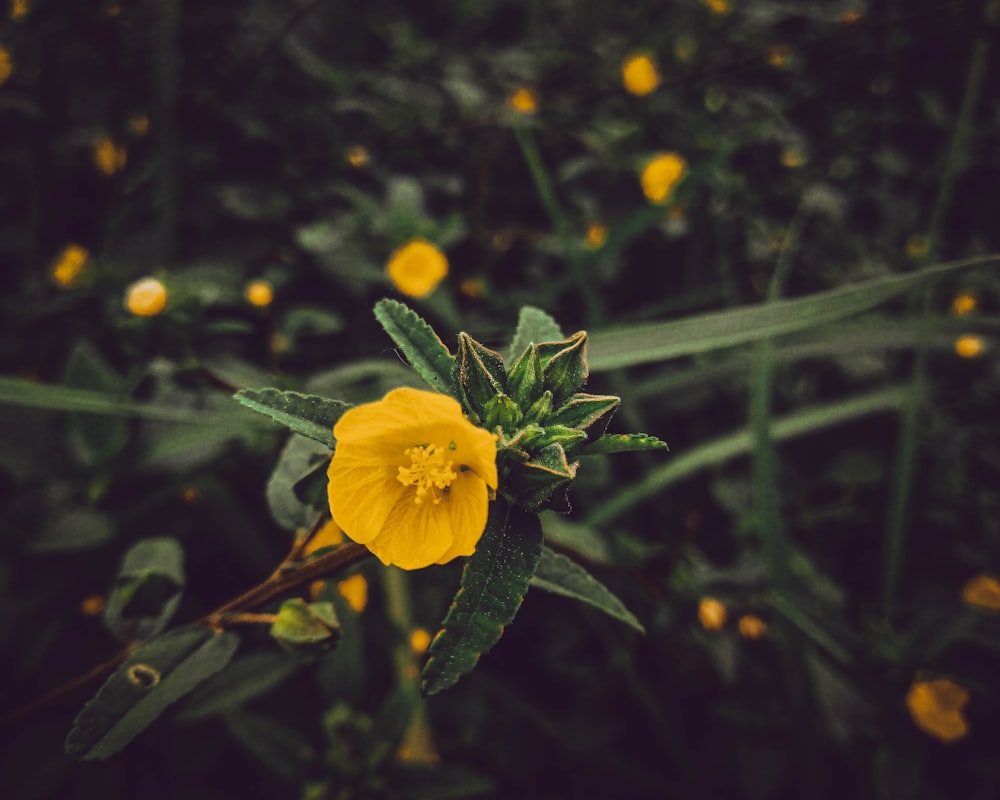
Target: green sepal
[(501, 411), (540, 409), (537, 437), (564, 366), (588, 412), (422, 347), (524, 383), (493, 585), (302, 624), (533, 325), (306, 414), (622, 443), (478, 374), (534, 482)]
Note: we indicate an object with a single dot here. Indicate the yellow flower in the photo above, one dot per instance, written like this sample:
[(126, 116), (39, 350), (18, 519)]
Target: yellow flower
[(19, 9), (92, 605), (850, 16), (718, 7), (138, 124), (6, 64), (524, 101), (109, 157), (471, 287), (420, 640), (411, 478), (357, 156), (751, 626), (982, 591), (792, 157), (779, 56), (964, 303), (918, 246), (639, 75), (69, 266), (259, 293), (661, 175), (969, 346), (597, 235), (936, 708), (355, 591), (327, 536), (711, 614), (146, 298), (417, 268)]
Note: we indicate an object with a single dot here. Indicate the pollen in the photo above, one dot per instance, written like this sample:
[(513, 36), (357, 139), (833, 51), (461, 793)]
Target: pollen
[(429, 472)]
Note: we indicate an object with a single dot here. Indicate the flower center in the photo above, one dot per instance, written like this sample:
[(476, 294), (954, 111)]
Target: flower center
[(428, 471)]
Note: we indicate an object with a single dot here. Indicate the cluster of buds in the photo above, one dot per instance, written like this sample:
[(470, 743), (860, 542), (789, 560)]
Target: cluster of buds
[(536, 409)]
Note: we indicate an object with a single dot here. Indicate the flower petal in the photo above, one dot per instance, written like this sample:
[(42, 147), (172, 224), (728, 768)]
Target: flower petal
[(468, 505)]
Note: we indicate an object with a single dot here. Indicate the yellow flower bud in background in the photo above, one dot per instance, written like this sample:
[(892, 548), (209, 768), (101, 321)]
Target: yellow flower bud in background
[(711, 614), (639, 75), (963, 303), (357, 156), (792, 157), (718, 7), (918, 246), (661, 175), (936, 708), (146, 298), (417, 268), (69, 266), (138, 124), (983, 592), (92, 605), (779, 56), (355, 591), (524, 101), (109, 157), (420, 640), (751, 626), (471, 287), (6, 64), (969, 346), (259, 293), (19, 9), (597, 234)]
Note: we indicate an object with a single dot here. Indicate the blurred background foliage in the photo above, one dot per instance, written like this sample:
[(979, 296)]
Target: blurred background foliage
[(813, 560)]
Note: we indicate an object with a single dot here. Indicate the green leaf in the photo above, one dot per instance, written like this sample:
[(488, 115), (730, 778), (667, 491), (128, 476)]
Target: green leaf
[(21, 392), (299, 458), (659, 341), (147, 590), (140, 690), (560, 575), (423, 348), (74, 530), (301, 624), (94, 439), (494, 583), (622, 443), (306, 414), (533, 326)]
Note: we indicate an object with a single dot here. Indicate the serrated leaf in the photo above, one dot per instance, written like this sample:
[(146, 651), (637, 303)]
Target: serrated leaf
[(494, 583), (622, 443), (533, 326), (422, 347), (560, 575), (306, 414), (140, 690)]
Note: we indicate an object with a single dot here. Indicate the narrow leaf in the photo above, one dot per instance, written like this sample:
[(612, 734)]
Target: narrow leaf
[(423, 348), (533, 326), (494, 583), (307, 414), (147, 589), (622, 443), (140, 690), (560, 575)]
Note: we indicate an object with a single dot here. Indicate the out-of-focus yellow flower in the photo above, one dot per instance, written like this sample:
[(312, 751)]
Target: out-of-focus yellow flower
[(327, 536), (471, 287), (138, 124), (417, 268), (711, 614), (779, 56), (6, 64), (357, 156), (718, 7), (597, 235), (19, 9), (640, 75), (524, 101), (92, 605), (918, 246), (411, 478), (969, 346), (850, 16), (685, 46), (420, 640), (936, 708), (190, 494), (982, 591), (111, 8), (355, 591), (751, 626), (792, 157), (146, 298), (109, 157), (68, 268), (661, 175), (259, 293), (963, 303)]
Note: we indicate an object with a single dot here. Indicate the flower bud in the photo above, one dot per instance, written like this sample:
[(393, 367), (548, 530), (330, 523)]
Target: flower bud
[(535, 481), (564, 366), (302, 624), (479, 372), (588, 412), (524, 384)]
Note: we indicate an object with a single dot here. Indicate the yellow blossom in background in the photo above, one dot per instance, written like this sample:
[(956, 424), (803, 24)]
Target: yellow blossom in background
[(411, 478), (259, 293), (597, 234), (355, 591), (92, 605), (190, 494), (779, 56), (138, 124), (685, 46), (969, 346), (420, 640), (963, 303), (850, 16), (524, 101), (661, 175), (982, 591), (751, 626), (639, 75), (111, 8), (327, 536), (718, 7), (6, 64), (357, 156), (69, 266), (471, 287), (109, 157), (936, 708), (918, 246), (417, 268), (711, 614), (146, 298), (792, 157), (19, 9)]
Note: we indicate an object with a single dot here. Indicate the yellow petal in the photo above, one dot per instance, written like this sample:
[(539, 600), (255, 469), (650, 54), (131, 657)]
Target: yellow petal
[(468, 506)]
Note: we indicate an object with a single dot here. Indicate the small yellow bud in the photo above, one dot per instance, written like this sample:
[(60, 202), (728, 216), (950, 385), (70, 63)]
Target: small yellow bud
[(751, 626), (259, 293), (524, 101), (92, 605), (19, 9), (963, 303), (711, 614), (918, 246), (792, 157), (661, 175), (417, 268), (936, 708), (190, 494), (982, 591), (969, 346), (420, 640), (471, 287), (69, 266), (138, 124), (779, 56), (109, 157), (357, 156), (597, 235), (850, 16), (640, 75), (6, 64), (146, 298), (718, 7), (354, 591)]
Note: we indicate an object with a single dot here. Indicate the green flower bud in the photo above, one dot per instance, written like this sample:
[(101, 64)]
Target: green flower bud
[(538, 438), (524, 383), (564, 366), (534, 482), (301, 625), (478, 373), (502, 411), (589, 412), (540, 409)]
